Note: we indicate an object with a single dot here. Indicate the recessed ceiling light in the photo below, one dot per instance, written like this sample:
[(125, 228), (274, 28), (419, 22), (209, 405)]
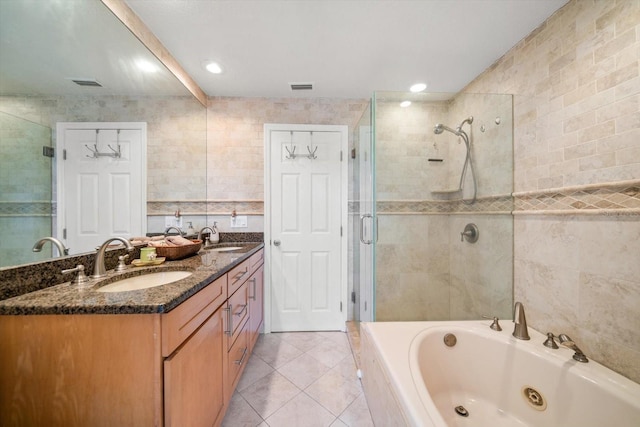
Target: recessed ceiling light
[(418, 87), (147, 66), (405, 104), (213, 67)]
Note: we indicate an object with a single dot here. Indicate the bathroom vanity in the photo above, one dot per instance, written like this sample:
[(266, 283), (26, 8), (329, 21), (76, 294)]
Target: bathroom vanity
[(170, 355)]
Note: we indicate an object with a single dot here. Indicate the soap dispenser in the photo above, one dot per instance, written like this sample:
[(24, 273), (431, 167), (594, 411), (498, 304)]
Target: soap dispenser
[(191, 231), (215, 236)]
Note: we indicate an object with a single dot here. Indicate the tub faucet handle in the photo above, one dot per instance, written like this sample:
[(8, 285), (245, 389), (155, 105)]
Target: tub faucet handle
[(551, 341), (495, 325)]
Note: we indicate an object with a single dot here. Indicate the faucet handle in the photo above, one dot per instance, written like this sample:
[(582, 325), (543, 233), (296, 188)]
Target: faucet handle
[(550, 341), (121, 264), (81, 279), (495, 325)]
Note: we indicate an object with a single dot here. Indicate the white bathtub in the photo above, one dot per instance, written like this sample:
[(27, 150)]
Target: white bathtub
[(411, 377)]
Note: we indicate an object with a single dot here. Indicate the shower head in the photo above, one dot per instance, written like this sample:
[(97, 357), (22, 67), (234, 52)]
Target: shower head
[(439, 128)]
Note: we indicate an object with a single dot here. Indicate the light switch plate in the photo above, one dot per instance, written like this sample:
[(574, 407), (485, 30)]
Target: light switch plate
[(172, 221), (239, 222)]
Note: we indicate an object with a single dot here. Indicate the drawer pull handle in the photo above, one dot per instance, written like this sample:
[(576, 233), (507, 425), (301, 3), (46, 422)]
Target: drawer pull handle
[(239, 275), (244, 308), (253, 297), (241, 360), (229, 320)]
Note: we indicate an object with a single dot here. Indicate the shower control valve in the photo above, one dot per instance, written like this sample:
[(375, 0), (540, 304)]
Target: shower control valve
[(470, 233)]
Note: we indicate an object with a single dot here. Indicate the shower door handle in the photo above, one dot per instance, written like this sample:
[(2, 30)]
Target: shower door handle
[(362, 217)]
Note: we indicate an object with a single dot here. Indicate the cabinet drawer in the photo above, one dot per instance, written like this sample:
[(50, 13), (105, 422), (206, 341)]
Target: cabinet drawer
[(256, 260), (238, 276), (181, 322), (237, 312), (237, 358)]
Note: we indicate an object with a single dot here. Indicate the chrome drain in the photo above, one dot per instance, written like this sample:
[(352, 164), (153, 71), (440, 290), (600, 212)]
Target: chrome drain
[(534, 398), (450, 340), (461, 410)]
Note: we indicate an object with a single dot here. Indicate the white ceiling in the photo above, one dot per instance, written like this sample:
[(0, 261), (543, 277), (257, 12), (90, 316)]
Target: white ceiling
[(346, 48), (43, 45)]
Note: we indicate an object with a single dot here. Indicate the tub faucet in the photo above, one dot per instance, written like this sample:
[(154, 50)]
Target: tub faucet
[(57, 243), (99, 269), (568, 342), (520, 330)]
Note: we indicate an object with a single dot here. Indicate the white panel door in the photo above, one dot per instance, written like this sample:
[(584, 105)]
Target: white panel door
[(101, 196), (305, 230)]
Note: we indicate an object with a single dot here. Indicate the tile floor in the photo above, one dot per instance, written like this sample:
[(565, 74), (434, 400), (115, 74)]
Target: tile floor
[(299, 379)]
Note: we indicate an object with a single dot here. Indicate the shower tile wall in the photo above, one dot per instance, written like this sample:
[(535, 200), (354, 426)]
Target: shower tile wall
[(576, 81), (25, 192), (424, 271)]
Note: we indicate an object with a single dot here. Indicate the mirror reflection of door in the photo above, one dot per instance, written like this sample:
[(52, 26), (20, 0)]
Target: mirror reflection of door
[(101, 183)]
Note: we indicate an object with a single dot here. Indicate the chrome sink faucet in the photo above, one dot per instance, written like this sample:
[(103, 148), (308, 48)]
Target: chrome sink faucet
[(520, 330), (57, 243), (202, 230), (99, 269), (180, 233)]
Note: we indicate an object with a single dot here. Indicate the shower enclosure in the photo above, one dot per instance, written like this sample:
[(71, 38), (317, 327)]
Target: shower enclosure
[(426, 178), (26, 206)]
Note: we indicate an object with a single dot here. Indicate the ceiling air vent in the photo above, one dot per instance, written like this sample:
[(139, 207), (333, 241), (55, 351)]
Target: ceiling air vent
[(86, 82), (301, 86)]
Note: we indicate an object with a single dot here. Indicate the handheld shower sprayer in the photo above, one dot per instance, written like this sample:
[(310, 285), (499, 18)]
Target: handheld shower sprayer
[(438, 129)]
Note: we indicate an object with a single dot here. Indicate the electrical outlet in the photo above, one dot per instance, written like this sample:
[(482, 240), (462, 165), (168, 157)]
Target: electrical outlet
[(239, 222), (172, 221)]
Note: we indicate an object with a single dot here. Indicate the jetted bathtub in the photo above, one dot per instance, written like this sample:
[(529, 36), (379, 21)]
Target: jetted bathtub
[(488, 378)]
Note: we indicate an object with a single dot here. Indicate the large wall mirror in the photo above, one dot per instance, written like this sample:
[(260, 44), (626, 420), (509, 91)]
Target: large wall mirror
[(44, 47)]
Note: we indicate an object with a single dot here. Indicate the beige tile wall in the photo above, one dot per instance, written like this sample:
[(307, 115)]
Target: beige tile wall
[(577, 121), (176, 133), (235, 137)]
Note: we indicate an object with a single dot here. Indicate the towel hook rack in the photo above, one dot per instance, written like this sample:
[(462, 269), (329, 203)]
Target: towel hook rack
[(311, 150), (95, 153), (291, 153)]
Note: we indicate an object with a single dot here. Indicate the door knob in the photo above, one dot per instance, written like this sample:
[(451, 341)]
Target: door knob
[(276, 242)]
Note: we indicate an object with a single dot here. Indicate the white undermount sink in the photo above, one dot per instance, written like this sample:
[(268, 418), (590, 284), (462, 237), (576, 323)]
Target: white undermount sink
[(225, 248), (145, 281)]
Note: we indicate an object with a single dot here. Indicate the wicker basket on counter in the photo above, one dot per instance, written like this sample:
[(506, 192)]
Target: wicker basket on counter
[(178, 252)]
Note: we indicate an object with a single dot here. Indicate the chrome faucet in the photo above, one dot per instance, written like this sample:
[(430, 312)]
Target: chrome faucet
[(174, 228), (99, 269), (568, 342), (520, 330), (202, 230), (57, 243)]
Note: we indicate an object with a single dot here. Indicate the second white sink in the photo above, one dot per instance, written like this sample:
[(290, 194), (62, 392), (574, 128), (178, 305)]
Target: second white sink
[(145, 281), (225, 248)]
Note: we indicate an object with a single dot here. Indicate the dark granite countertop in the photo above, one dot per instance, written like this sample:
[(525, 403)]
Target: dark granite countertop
[(66, 298)]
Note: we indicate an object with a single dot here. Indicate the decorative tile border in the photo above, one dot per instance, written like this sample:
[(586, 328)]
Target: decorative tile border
[(35, 208), (618, 198), (484, 205), (608, 199), (204, 207)]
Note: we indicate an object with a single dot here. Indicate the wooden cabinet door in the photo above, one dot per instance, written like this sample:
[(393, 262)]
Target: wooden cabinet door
[(194, 376), (256, 304)]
